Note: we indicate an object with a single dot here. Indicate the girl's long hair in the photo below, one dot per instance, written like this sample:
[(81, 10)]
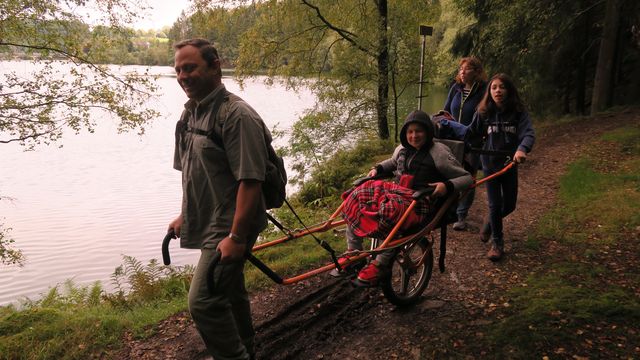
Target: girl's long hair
[(512, 103)]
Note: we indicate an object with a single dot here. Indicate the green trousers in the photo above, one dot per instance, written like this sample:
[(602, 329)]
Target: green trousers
[(222, 316)]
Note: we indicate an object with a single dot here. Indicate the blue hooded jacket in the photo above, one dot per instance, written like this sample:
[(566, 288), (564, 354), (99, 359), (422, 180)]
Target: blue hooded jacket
[(462, 111), (509, 131)]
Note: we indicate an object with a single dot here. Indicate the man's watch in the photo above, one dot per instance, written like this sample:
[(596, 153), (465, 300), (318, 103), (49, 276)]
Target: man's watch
[(236, 238)]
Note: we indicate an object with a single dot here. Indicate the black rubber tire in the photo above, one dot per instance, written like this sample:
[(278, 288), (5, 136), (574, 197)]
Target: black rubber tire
[(403, 285)]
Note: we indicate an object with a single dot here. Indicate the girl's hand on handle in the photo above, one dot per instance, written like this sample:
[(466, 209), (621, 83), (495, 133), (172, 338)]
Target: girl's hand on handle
[(440, 189), (520, 157), (176, 225)]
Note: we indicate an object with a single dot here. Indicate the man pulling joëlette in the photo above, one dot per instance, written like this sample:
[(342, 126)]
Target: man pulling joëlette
[(222, 206)]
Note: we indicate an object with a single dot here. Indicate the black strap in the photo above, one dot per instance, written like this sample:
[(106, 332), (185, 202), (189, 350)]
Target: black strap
[(212, 134), (443, 246), (265, 269), (325, 245), (277, 224)]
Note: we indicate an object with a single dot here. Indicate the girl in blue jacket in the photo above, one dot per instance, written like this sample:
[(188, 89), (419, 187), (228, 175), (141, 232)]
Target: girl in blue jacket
[(463, 99), (504, 124)]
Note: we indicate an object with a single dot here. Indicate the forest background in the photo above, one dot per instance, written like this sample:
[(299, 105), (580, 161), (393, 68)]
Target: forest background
[(361, 58)]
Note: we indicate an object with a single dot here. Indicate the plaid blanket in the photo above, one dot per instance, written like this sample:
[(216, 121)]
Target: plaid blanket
[(375, 207)]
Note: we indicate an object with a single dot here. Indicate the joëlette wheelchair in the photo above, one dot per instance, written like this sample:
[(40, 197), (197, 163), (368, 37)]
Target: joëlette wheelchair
[(408, 275)]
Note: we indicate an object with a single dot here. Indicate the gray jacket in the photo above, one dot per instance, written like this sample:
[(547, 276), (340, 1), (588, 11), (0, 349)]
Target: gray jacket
[(428, 166)]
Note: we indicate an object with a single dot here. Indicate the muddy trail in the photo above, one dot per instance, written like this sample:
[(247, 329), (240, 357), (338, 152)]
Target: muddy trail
[(327, 318)]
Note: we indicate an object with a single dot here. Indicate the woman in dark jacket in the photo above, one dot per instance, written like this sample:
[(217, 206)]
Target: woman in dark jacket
[(505, 125), (463, 99)]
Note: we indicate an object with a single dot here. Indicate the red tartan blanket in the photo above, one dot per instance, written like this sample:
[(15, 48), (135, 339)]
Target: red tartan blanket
[(375, 207)]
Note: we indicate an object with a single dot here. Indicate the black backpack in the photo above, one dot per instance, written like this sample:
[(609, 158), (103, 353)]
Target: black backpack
[(275, 179)]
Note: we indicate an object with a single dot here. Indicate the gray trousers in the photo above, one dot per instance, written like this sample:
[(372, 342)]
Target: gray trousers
[(222, 317), (354, 242)]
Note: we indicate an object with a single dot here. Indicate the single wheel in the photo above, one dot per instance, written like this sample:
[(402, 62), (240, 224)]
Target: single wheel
[(409, 273)]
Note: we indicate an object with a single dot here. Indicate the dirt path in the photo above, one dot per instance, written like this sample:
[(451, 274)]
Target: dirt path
[(324, 318)]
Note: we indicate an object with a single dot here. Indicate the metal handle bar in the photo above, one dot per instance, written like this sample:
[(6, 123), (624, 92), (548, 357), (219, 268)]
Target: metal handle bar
[(491, 152)]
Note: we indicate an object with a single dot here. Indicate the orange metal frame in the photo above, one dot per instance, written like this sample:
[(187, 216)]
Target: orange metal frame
[(389, 241)]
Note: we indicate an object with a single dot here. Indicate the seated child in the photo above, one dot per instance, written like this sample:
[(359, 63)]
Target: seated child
[(418, 162)]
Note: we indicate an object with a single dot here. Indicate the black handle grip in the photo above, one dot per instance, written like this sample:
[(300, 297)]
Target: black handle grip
[(165, 247)]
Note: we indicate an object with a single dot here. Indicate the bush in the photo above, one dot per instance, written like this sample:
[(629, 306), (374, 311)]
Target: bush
[(336, 175)]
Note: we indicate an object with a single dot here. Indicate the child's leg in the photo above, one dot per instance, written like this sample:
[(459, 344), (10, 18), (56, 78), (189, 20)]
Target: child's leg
[(509, 192), (354, 242), (494, 195), (385, 258)]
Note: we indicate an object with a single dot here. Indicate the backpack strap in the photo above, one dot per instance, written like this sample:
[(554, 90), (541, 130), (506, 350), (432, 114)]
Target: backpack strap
[(212, 134)]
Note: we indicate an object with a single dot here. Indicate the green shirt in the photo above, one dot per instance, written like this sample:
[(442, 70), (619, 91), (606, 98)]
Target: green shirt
[(211, 174)]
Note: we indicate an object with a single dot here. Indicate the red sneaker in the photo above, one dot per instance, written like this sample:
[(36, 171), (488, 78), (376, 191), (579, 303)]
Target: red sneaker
[(343, 259), (370, 274), (345, 269)]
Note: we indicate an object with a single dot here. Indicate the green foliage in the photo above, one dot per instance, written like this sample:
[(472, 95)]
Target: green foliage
[(552, 308), (550, 47), (9, 255), (340, 51), (441, 64), (136, 283), (64, 87), (627, 137), (224, 26), (77, 322), (297, 256), (606, 201), (331, 176), (577, 291)]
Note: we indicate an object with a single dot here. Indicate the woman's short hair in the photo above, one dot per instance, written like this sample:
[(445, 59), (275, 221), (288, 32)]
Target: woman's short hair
[(476, 64)]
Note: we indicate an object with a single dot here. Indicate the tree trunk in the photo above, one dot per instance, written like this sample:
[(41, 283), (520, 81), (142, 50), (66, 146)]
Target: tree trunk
[(394, 89), (566, 96), (383, 72), (581, 70), (602, 85)]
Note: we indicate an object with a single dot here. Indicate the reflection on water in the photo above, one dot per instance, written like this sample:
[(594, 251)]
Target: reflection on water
[(79, 208)]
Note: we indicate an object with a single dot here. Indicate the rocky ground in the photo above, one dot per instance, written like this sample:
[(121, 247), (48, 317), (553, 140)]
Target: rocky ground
[(327, 318)]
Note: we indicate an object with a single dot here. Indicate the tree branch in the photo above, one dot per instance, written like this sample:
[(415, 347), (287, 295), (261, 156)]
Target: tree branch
[(31, 136), (77, 60), (345, 34)]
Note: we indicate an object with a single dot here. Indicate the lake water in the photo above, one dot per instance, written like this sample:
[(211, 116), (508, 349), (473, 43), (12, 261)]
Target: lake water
[(77, 209)]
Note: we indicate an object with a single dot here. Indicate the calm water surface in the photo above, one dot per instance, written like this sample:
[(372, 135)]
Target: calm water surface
[(77, 209)]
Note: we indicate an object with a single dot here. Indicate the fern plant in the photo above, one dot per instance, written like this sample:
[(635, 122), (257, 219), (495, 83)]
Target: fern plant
[(136, 282)]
